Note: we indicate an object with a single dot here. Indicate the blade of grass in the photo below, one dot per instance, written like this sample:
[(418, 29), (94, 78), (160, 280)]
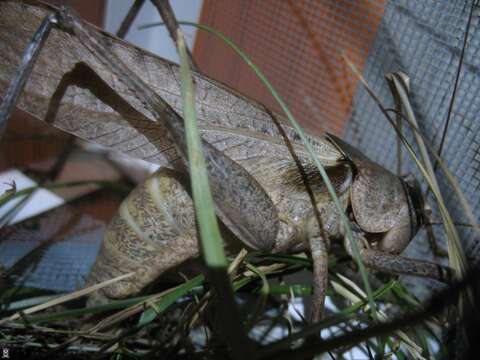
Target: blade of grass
[(295, 289), (450, 179), (450, 229), (398, 120), (29, 302), (344, 220), (159, 306), (211, 241), (344, 316), (414, 349), (232, 269), (457, 79), (68, 297), (286, 259), (212, 244), (456, 255), (156, 308), (453, 183), (264, 291), (62, 315)]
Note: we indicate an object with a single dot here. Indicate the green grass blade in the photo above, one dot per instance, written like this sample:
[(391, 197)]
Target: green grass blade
[(211, 241), (158, 307), (97, 309), (295, 289), (212, 244)]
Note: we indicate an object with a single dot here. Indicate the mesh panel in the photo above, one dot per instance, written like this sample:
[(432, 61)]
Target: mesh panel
[(424, 39), (299, 46), (54, 251)]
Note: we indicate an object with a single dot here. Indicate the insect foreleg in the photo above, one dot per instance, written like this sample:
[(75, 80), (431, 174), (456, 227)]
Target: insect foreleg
[(24, 70), (397, 264), (397, 238)]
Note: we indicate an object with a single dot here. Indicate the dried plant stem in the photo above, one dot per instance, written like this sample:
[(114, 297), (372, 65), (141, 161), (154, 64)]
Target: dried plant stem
[(65, 298)]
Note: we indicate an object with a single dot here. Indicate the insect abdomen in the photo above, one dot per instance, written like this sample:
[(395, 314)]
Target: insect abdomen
[(153, 231)]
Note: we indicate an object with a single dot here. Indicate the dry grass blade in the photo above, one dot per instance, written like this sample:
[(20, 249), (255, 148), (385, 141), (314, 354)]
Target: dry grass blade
[(414, 349), (65, 298), (460, 264), (455, 252), (211, 240), (232, 268), (398, 120), (473, 223)]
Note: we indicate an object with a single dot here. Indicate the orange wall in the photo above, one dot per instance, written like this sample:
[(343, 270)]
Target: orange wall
[(298, 44)]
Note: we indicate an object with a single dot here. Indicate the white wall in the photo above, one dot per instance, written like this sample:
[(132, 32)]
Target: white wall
[(156, 39)]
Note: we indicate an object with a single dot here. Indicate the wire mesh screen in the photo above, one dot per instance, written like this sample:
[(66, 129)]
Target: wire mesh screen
[(425, 40), (299, 45)]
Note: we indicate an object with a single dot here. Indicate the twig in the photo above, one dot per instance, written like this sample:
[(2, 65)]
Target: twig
[(168, 17), (129, 18)]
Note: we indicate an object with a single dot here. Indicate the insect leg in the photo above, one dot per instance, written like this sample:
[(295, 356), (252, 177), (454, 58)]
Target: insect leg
[(24, 70), (434, 244), (397, 264), (320, 228), (397, 238), (168, 17), (320, 277)]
